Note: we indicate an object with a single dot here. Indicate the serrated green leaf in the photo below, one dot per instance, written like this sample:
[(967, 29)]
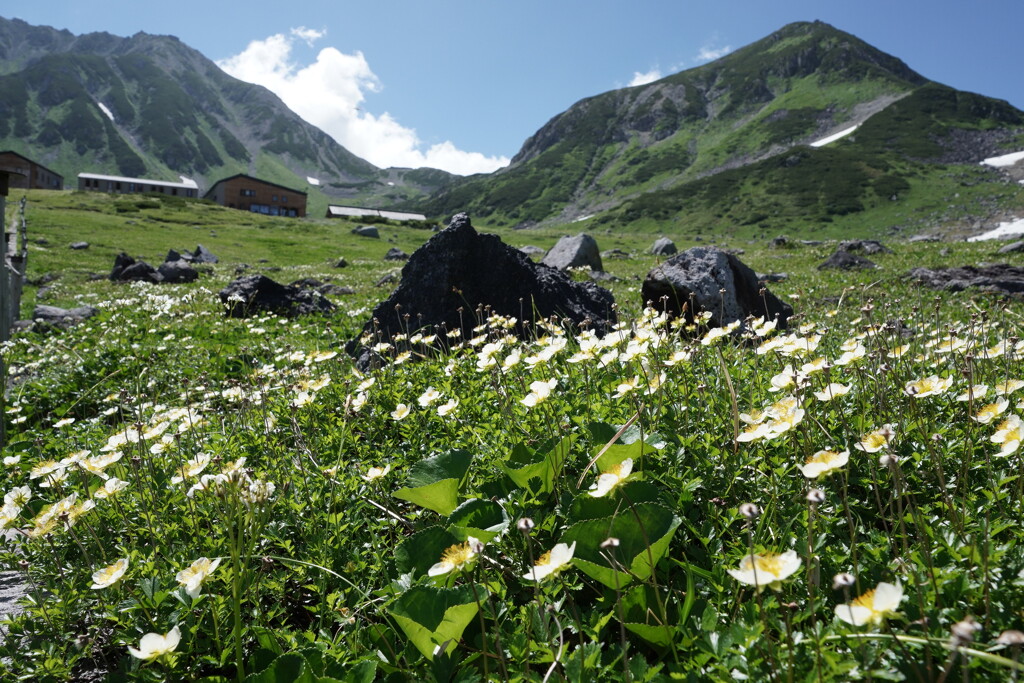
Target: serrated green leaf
[(431, 616), (479, 518), (434, 482)]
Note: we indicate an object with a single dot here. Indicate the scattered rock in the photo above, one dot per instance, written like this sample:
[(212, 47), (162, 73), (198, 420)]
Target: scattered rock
[(127, 269), (43, 292), (867, 246), (94, 277), (663, 246), (257, 294), (367, 231), (1001, 277), (574, 251), (697, 277), (173, 256), (811, 243), (61, 317), (844, 260), (924, 238), (1011, 247), (602, 276), (175, 272), (335, 290), (241, 268), (389, 279), (263, 260), (779, 242), (341, 263), (459, 270), (78, 246), (772, 277), (44, 279), (307, 283), (396, 254), (616, 253), (203, 255), (531, 250)]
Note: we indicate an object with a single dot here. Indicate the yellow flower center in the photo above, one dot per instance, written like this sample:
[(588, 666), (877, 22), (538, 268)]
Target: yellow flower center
[(457, 555), (866, 601), (770, 564), (544, 559), (874, 440), (823, 457)]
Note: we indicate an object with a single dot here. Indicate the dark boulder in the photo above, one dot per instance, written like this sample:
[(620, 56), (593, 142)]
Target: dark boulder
[(574, 251), (1011, 247), (695, 278), (203, 255), (341, 263), (779, 242), (663, 246), (459, 270), (772, 277), (869, 247), (387, 279), (127, 269), (844, 260), (396, 254), (174, 255), (257, 294), (51, 316), (1000, 278), (179, 271), (78, 246), (367, 231)]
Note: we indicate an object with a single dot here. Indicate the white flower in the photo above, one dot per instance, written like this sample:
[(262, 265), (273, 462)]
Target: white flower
[(110, 487), (428, 397), (872, 607), (539, 392), (770, 569), (154, 645), (457, 557), (400, 412), (375, 473), (19, 495), (1009, 433), (110, 575), (551, 562), (193, 576), (824, 462), (831, 391), (446, 408), (928, 386), (991, 411), (612, 477)]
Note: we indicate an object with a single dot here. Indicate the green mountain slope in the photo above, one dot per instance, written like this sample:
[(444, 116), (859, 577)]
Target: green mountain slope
[(151, 106), (655, 152)]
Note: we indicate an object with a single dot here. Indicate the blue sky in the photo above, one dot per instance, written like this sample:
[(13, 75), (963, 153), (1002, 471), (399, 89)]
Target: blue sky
[(461, 84)]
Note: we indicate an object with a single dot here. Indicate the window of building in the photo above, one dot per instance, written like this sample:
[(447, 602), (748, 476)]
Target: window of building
[(247, 192), (274, 198), (284, 199)]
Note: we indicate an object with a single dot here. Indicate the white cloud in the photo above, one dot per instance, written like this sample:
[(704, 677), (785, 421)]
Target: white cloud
[(329, 93), (709, 54), (645, 78)]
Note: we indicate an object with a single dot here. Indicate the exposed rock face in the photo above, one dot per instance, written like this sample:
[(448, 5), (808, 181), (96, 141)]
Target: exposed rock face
[(1011, 247), (458, 270), (367, 231), (867, 246), (396, 254), (257, 294), (1001, 278), (578, 251), (127, 269), (663, 246), (697, 276), (62, 317), (844, 260), (175, 272)]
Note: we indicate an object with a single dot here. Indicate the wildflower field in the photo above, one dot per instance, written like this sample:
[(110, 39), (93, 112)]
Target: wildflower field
[(194, 497)]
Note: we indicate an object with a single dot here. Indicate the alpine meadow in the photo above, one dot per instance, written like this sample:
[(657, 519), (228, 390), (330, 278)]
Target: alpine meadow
[(329, 486)]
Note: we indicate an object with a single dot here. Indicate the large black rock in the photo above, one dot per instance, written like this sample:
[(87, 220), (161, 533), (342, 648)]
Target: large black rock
[(1001, 278), (177, 271), (845, 260), (459, 270), (257, 294), (695, 278), (127, 269)]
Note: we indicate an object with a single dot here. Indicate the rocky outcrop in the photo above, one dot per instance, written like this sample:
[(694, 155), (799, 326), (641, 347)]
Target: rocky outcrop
[(396, 254), (575, 251), (127, 269), (844, 260), (1001, 278), (174, 272), (663, 246), (257, 294), (870, 247), (459, 271), (709, 279)]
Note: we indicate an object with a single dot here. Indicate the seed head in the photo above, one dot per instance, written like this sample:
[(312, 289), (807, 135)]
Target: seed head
[(750, 510), (843, 580)]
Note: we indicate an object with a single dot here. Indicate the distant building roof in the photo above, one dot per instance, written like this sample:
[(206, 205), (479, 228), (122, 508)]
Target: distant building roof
[(22, 156), (187, 184), (355, 211), (255, 179)]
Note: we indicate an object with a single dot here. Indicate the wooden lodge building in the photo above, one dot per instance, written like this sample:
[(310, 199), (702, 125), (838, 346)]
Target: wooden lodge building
[(25, 174), (258, 196), (95, 182)]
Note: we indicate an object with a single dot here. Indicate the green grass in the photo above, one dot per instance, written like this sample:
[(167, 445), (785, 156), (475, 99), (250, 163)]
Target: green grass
[(322, 546)]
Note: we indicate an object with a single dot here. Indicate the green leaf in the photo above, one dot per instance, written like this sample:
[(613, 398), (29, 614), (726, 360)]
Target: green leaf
[(629, 445), (641, 615), (585, 506), (479, 518), (644, 533), (288, 668), (543, 463), (431, 616), (423, 549), (434, 482)]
